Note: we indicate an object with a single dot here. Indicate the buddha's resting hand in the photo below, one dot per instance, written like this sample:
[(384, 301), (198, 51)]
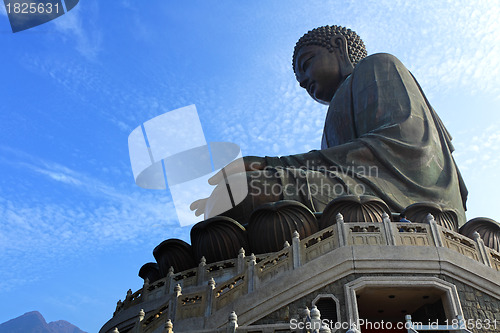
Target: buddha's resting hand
[(208, 205)]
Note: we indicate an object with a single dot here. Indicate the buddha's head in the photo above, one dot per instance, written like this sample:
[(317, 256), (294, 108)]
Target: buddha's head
[(324, 57)]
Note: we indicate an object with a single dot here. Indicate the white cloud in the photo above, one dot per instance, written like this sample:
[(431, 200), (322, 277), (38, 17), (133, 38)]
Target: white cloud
[(58, 176), (484, 144), (459, 49), (87, 38), (3, 11), (38, 230)]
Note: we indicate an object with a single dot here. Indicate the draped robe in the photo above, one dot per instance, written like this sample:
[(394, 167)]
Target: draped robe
[(381, 138)]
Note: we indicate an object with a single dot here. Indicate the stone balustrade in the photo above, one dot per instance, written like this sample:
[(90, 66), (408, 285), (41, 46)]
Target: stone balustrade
[(199, 292), (495, 259)]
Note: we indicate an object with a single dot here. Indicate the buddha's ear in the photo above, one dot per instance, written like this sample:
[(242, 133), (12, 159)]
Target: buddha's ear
[(339, 43)]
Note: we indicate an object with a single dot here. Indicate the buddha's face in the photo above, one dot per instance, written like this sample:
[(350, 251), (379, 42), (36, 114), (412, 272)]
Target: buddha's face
[(318, 71)]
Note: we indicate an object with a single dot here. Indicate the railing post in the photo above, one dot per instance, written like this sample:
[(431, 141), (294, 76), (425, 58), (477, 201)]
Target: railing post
[(128, 298), (251, 273), (169, 327), (175, 301), (315, 319), (325, 329), (232, 323), (119, 307), (201, 271), (296, 249), (305, 316), (210, 297), (145, 291), (408, 324), (389, 232), (170, 281), (177, 290), (341, 230), (435, 231), (483, 252), (140, 318), (241, 261), (353, 329)]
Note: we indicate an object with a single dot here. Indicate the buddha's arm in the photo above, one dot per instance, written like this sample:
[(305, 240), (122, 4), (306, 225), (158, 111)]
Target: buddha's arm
[(333, 157), (390, 116)]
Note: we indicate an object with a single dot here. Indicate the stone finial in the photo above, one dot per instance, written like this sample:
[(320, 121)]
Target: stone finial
[(385, 215), (146, 284), (286, 245), (169, 326), (476, 235), (129, 292), (339, 218), (115, 330), (170, 271), (203, 261), (306, 313), (253, 258), (232, 324), (118, 305), (429, 218), (325, 329), (142, 314), (353, 329), (178, 290), (241, 253), (211, 283), (315, 314), (233, 318), (296, 234)]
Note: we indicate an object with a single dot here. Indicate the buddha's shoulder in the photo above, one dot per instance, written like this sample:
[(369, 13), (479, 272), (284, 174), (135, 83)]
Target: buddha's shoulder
[(384, 60)]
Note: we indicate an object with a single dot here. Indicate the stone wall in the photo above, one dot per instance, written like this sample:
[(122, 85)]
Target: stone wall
[(293, 310), (478, 307)]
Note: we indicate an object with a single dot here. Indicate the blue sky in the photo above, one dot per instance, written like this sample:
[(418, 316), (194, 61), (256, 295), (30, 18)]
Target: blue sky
[(75, 229)]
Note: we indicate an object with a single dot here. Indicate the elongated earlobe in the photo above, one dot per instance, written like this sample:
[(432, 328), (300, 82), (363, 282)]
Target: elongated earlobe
[(339, 43)]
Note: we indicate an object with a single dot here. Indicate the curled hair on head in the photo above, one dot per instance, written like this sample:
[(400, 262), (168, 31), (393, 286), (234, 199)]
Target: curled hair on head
[(321, 36)]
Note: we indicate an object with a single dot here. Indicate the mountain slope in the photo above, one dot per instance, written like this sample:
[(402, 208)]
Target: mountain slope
[(33, 322)]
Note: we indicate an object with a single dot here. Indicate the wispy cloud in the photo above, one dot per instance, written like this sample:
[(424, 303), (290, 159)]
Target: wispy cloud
[(37, 230), (3, 11), (456, 46), (481, 152), (87, 37)]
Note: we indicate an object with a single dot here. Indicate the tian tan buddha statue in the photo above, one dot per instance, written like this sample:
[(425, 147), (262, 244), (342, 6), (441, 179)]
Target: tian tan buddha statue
[(381, 137)]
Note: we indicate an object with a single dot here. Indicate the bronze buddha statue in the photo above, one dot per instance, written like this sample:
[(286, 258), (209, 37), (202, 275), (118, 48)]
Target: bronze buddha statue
[(381, 137)]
